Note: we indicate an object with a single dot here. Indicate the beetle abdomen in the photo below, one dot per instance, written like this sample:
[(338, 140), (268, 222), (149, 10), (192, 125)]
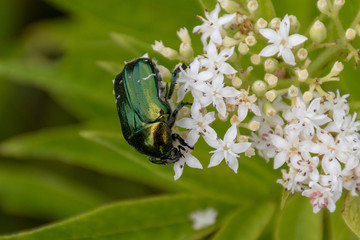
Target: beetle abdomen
[(153, 140)]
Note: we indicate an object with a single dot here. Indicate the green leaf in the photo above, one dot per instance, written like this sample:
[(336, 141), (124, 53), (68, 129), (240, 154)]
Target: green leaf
[(247, 223), (156, 218), (225, 187), (208, 4), (42, 194), (139, 18), (337, 228), (351, 213), (297, 221), (66, 145), (266, 9)]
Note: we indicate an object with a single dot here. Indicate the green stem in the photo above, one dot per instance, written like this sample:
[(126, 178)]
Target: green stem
[(356, 20), (340, 29), (324, 58)]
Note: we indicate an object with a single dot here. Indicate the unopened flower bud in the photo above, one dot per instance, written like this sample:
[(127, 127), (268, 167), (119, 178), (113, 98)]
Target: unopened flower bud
[(294, 24), (259, 88), (186, 50), (250, 40), (271, 95), (252, 5), (165, 51), (229, 42), (307, 96), (236, 82), (164, 72), (184, 35), (268, 109), (260, 24), (254, 125), (229, 6), (271, 79), (242, 138), (243, 48), (255, 59), (223, 118), (357, 29), (275, 23), (293, 91), (338, 4), (234, 120), (302, 75), (271, 65), (322, 6), (337, 68), (350, 34), (250, 152), (185, 111), (318, 32), (302, 54)]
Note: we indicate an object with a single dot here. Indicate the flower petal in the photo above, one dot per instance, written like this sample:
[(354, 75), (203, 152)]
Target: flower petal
[(285, 27), (216, 159), (280, 159), (178, 168), (232, 162), (192, 161), (269, 34), (288, 56), (296, 39), (240, 147), (230, 134), (226, 68), (269, 50)]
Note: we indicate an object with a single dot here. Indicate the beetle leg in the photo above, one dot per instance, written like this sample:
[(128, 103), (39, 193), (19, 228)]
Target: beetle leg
[(181, 140), (172, 119), (161, 161), (173, 80)]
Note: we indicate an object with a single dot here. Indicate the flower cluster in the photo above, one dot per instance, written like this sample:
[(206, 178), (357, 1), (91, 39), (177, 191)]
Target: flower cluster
[(308, 132), (320, 145)]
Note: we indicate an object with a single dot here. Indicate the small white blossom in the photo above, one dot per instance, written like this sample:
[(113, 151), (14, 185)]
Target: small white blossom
[(216, 93), (309, 118), (226, 148), (187, 158), (213, 26), (320, 197), (198, 124), (191, 77), (203, 218), (281, 42), (216, 62)]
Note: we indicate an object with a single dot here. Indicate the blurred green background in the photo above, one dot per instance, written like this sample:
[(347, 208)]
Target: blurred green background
[(61, 149)]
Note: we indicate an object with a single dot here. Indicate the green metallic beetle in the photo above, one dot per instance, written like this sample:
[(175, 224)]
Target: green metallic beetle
[(145, 114)]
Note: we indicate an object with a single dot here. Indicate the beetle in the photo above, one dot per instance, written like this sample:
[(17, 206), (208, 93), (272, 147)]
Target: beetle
[(144, 111)]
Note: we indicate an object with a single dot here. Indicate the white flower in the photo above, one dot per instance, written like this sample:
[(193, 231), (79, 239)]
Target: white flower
[(289, 147), (281, 42), (290, 181), (246, 103), (308, 169), (197, 123), (226, 148), (320, 197), (187, 158), (339, 106), (216, 62), (309, 117), (333, 150), (191, 77), (216, 93), (213, 26), (203, 218)]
